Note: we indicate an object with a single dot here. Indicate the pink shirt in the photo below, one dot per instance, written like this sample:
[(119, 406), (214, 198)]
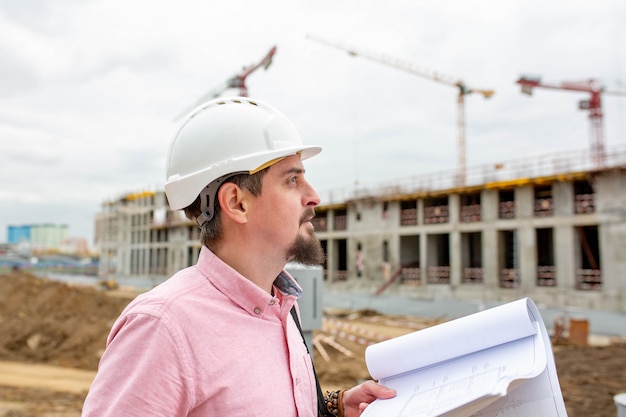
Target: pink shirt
[(207, 342)]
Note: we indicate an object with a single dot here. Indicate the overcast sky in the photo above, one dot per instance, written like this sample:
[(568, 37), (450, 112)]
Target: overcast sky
[(89, 89)]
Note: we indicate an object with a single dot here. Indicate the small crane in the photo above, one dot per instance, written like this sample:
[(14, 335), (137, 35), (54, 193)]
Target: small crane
[(593, 104), (409, 67), (236, 81)]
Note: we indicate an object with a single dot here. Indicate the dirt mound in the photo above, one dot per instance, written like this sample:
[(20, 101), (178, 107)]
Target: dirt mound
[(51, 322)]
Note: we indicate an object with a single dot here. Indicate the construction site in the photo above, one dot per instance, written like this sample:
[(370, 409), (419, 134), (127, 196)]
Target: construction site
[(551, 228)]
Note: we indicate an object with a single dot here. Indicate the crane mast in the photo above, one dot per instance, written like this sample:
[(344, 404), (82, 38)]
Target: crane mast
[(237, 81), (411, 68)]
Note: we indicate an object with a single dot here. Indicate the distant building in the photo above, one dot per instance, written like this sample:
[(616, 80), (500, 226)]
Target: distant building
[(18, 234), (551, 227), (74, 246), (39, 238)]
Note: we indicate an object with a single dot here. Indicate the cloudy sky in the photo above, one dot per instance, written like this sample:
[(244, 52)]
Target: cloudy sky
[(90, 89)]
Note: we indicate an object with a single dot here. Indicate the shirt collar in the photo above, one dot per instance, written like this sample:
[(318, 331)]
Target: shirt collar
[(241, 290), (287, 285)]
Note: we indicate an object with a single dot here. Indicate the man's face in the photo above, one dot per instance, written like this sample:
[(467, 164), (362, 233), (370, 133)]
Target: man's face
[(284, 210)]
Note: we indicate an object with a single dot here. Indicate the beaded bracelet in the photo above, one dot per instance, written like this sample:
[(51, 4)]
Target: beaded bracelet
[(334, 402)]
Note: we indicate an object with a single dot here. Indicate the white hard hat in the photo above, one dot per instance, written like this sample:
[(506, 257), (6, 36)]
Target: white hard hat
[(225, 136)]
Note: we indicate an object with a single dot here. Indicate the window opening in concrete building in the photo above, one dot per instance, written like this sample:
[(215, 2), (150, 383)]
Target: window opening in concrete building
[(341, 260), (470, 208), (385, 251), (360, 260), (340, 221), (543, 201), (589, 272), (124, 259), (134, 261), (408, 213), (438, 258), (436, 210), (158, 261), (410, 259), (320, 221), (154, 260), (506, 204), (546, 270), (191, 256), (472, 257), (158, 235), (324, 244), (385, 209), (386, 264), (107, 263), (584, 197), (507, 247)]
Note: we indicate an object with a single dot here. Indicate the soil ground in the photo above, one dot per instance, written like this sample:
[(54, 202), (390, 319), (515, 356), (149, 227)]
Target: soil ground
[(52, 336)]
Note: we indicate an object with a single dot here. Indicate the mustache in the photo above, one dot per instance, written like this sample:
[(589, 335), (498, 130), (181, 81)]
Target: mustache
[(307, 215)]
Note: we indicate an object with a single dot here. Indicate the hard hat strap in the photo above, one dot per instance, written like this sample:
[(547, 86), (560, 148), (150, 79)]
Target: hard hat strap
[(207, 197)]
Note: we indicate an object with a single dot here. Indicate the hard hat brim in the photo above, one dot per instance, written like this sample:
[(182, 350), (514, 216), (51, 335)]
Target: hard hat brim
[(250, 163)]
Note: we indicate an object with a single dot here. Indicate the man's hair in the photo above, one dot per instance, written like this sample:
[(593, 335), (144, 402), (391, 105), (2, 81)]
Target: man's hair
[(211, 230)]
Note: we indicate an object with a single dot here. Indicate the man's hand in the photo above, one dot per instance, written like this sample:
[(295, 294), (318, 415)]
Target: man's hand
[(356, 399)]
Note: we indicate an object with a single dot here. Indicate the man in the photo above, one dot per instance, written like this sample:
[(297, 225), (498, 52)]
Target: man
[(219, 338)]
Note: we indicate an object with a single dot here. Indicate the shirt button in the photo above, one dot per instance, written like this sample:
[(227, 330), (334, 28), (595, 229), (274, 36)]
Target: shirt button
[(257, 310), (297, 381), (272, 302)]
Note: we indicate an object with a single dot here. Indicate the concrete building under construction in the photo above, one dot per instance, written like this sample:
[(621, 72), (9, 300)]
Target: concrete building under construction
[(551, 227)]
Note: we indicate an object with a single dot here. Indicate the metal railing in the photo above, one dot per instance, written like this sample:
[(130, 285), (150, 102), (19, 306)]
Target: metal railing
[(553, 164)]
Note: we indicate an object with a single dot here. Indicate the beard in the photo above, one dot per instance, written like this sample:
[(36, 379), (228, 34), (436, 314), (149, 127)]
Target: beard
[(307, 250)]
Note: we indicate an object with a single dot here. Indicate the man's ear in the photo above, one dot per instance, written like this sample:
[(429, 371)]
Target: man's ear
[(232, 201)]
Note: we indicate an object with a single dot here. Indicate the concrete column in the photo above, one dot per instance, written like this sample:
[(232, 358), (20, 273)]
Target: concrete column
[(490, 257), (420, 211), (563, 198), (612, 237), (456, 262), (489, 202), (524, 202), (527, 256), (454, 208), (611, 210), (565, 256), (424, 256)]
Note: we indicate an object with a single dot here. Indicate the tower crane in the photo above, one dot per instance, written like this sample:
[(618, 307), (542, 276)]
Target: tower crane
[(411, 68), (236, 81), (593, 104)]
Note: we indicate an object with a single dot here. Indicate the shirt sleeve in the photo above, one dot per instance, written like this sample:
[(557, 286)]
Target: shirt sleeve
[(144, 371)]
